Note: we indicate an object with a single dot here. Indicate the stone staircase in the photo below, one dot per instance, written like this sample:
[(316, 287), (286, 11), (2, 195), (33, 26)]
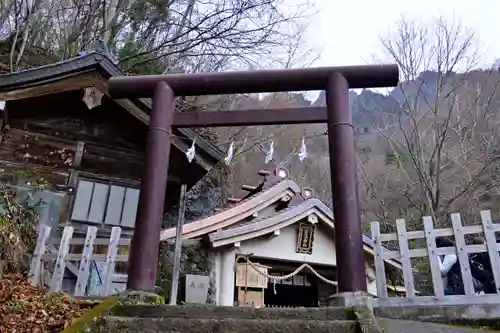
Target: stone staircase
[(211, 319), (214, 319)]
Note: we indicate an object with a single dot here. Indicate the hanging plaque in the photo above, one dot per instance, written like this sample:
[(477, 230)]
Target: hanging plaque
[(305, 238)]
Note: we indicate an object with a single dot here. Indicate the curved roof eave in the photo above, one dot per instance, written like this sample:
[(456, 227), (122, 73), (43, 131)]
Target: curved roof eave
[(277, 221), (236, 213), (281, 220)]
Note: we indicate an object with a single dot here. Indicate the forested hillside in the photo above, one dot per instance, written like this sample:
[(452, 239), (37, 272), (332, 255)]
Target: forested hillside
[(427, 147)]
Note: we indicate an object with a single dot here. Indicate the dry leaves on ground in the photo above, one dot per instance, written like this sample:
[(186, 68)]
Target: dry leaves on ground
[(25, 308)]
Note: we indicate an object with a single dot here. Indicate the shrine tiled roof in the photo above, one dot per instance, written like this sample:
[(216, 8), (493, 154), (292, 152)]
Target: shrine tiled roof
[(237, 212)]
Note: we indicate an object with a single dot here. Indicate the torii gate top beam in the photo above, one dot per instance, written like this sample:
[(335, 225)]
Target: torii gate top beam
[(237, 82)]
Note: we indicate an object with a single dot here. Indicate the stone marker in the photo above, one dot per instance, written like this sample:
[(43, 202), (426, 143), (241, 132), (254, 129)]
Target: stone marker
[(197, 288)]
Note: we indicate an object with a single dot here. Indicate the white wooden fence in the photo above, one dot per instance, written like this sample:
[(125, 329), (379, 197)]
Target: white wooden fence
[(46, 251), (405, 254)]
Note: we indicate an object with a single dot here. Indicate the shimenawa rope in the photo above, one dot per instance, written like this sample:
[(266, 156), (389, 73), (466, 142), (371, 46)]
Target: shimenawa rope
[(284, 277)]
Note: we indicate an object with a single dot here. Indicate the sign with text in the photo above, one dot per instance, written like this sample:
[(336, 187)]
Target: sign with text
[(247, 276), (305, 238), (197, 288)]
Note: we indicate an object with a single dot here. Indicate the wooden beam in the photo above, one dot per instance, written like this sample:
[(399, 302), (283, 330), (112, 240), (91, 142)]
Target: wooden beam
[(264, 173), (252, 117), (238, 82), (248, 188)]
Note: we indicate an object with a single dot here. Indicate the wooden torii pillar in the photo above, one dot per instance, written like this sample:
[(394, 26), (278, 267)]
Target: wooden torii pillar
[(336, 81)]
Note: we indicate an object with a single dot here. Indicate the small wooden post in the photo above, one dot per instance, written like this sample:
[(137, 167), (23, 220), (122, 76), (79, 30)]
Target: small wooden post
[(36, 267), (430, 238), (73, 178), (405, 258), (491, 246), (463, 256), (106, 288), (60, 266), (83, 271), (379, 261), (178, 246), (246, 284)]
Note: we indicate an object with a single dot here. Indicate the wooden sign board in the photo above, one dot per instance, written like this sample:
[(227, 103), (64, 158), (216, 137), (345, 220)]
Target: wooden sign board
[(247, 275), (305, 238)]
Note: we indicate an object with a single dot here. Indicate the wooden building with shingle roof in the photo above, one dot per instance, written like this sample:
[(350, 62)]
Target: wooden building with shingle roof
[(277, 228)]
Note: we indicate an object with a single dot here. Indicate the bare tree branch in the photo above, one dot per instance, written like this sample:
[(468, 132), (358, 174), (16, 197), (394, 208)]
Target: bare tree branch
[(442, 138)]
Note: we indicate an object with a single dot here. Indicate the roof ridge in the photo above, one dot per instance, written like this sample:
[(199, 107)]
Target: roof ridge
[(286, 183), (33, 69), (291, 206), (267, 190), (308, 202)]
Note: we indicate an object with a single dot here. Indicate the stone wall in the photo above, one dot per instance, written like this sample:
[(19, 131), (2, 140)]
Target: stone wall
[(202, 199), (195, 259)]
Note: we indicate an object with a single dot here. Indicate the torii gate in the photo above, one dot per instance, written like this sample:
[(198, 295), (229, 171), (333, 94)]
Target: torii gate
[(336, 81)]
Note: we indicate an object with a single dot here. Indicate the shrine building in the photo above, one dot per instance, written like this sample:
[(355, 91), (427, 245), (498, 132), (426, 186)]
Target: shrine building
[(260, 242)]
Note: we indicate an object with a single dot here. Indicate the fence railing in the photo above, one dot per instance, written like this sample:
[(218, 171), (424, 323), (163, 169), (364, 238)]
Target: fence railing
[(432, 253), (58, 250)]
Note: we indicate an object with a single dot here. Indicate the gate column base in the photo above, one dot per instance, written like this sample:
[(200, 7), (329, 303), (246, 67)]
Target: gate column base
[(355, 299), (358, 306), (140, 297)]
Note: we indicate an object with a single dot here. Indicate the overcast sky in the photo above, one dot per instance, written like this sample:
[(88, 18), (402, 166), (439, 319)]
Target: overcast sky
[(349, 30)]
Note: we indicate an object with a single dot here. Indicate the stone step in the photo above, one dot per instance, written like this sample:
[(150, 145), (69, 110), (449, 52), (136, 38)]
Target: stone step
[(214, 312), (227, 325)]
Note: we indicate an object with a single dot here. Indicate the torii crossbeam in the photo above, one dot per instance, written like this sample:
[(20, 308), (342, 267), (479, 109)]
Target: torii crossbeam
[(336, 81)]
